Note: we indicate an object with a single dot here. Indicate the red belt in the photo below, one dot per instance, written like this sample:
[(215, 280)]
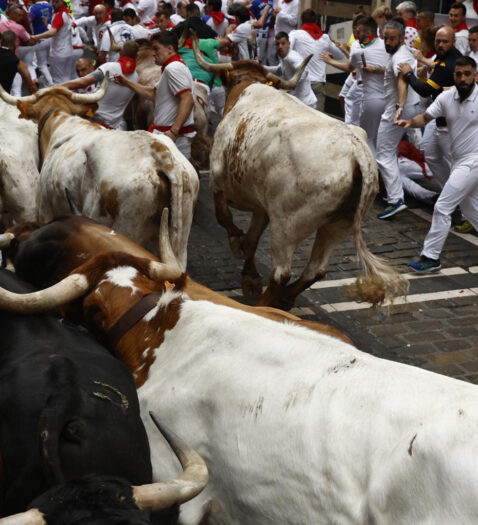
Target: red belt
[(182, 131), (78, 47)]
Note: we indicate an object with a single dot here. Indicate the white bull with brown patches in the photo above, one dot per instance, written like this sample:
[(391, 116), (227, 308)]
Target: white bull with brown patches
[(19, 170), (298, 170), (122, 179), (296, 427)]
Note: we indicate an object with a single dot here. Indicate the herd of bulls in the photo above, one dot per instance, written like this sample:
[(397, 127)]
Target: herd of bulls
[(288, 422)]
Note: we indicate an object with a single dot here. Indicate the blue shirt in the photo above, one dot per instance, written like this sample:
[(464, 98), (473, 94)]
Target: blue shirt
[(36, 12), (258, 6)]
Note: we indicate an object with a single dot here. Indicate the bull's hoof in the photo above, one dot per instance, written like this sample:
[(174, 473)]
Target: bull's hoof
[(236, 243), (252, 286)]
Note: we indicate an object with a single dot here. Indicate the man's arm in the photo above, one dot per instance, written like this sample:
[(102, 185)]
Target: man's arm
[(262, 20), (402, 90), (25, 74), (81, 83), (416, 122), (343, 66), (424, 89), (186, 104), (147, 92)]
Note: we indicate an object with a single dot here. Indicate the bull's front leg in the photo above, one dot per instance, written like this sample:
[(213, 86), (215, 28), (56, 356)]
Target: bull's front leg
[(224, 218), (251, 280)]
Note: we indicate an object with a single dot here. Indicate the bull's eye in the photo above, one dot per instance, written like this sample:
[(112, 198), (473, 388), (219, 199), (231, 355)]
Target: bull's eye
[(73, 431)]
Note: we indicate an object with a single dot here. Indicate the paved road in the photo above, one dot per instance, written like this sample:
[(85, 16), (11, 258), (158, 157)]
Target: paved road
[(436, 328)]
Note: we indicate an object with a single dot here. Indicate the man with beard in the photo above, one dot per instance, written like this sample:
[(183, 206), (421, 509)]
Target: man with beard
[(399, 102), (459, 105), (435, 142)]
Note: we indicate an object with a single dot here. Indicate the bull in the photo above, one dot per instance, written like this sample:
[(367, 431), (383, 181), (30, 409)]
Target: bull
[(298, 170), (296, 426), (122, 179), (71, 437), (19, 168)]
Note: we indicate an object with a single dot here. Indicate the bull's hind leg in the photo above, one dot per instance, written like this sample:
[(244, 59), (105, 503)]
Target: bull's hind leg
[(224, 218), (251, 280), (326, 240)]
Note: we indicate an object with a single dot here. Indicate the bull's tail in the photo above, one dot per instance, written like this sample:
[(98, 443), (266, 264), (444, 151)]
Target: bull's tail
[(380, 282)]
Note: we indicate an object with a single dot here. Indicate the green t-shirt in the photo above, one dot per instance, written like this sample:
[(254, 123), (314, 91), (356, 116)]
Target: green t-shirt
[(208, 47)]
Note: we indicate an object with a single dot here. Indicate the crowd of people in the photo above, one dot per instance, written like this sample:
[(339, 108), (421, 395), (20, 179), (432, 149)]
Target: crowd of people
[(410, 84)]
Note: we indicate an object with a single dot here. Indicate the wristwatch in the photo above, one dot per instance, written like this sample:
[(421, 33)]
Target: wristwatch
[(398, 106)]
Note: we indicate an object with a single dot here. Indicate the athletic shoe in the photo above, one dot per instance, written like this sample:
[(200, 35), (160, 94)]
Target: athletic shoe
[(425, 265), (392, 210), (464, 227)]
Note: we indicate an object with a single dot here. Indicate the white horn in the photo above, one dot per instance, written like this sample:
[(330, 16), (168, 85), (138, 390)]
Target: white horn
[(10, 99), (204, 64), (158, 496), (291, 83), (114, 46), (69, 289), (90, 98), (6, 239), (30, 517)]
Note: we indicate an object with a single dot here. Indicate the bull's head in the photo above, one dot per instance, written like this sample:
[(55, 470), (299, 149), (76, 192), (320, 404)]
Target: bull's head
[(35, 106), (87, 496), (233, 73)]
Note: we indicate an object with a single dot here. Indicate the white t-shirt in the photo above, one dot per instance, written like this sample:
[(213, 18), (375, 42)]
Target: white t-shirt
[(376, 56), (286, 19), (122, 32), (139, 31), (390, 81), (305, 45), (176, 19), (221, 28), (61, 42), (146, 10), (286, 69), (473, 55), (128, 5), (470, 9), (461, 41), (175, 79), (112, 106), (241, 36), (462, 122)]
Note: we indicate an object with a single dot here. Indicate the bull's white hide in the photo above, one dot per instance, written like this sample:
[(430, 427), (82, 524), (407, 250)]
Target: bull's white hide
[(121, 179), (19, 177), (299, 428)]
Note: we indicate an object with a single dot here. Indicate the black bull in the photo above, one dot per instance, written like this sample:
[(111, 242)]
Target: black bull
[(67, 408)]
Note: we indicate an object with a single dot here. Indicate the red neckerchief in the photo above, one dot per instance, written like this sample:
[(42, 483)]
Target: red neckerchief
[(475, 6), (313, 29), (152, 23), (108, 15), (218, 17), (412, 22), (171, 25), (128, 65), (369, 40), (461, 26), (409, 151), (287, 1), (430, 53), (173, 58)]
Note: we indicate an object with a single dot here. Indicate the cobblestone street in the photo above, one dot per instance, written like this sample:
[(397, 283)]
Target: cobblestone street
[(436, 328)]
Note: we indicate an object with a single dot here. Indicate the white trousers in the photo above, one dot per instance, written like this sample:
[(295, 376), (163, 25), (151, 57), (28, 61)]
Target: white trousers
[(42, 51), (217, 98), (410, 172), (436, 148), (387, 143), (460, 189), (27, 55), (353, 104), (370, 120), (61, 68), (182, 143)]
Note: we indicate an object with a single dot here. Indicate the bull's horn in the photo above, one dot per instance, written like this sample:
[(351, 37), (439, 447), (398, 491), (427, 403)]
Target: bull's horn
[(114, 45), (6, 239), (71, 203), (30, 517), (184, 37), (292, 83), (165, 251), (10, 99), (69, 289), (207, 66), (158, 496), (90, 98)]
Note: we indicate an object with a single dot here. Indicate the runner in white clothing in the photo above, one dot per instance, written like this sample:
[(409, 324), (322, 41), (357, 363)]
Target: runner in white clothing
[(399, 101), (122, 33), (287, 15), (289, 62), (97, 23), (459, 106), (457, 17), (473, 43), (310, 40)]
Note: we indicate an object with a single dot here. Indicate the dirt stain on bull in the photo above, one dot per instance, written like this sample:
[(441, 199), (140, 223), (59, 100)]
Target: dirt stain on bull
[(236, 158), (108, 201), (410, 448)]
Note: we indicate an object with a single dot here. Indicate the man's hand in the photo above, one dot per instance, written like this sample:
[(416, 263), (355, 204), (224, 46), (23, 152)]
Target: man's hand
[(326, 57), (405, 68), (398, 114), (277, 10), (120, 80), (342, 47), (171, 135), (402, 123)]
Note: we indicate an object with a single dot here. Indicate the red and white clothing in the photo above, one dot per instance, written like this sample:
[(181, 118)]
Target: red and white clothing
[(241, 36), (471, 8), (411, 33), (98, 29), (61, 50), (286, 19), (461, 39), (122, 32), (175, 79), (218, 22), (146, 10), (112, 106)]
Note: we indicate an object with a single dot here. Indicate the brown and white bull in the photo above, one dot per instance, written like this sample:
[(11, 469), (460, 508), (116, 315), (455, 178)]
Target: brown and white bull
[(295, 426), (19, 171), (122, 179), (297, 169)]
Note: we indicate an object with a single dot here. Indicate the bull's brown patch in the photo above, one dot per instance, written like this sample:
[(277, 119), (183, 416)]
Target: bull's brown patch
[(108, 201), (156, 145)]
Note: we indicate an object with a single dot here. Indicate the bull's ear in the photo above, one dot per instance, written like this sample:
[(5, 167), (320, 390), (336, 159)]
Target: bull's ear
[(24, 108)]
